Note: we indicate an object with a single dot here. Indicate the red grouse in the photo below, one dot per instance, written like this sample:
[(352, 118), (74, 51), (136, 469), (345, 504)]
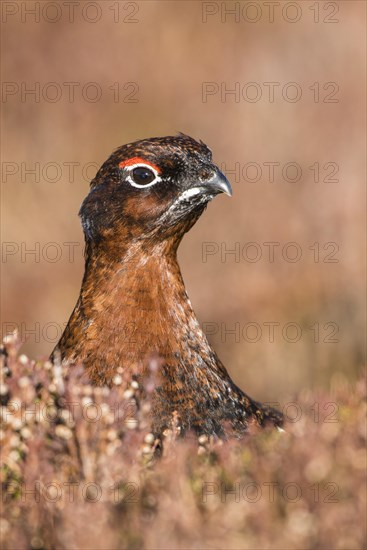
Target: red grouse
[(143, 200)]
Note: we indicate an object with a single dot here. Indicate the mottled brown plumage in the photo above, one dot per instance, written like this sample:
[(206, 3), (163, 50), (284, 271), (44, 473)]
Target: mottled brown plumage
[(133, 305)]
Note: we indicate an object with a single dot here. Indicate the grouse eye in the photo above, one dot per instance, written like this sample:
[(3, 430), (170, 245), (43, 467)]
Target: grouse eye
[(142, 175), (140, 172)]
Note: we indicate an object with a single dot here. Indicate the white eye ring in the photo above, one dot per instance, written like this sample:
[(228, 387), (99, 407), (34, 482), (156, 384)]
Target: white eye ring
[(129, 170)]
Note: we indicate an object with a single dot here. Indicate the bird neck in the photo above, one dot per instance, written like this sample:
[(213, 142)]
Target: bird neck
[(131, 309), (139, 276)]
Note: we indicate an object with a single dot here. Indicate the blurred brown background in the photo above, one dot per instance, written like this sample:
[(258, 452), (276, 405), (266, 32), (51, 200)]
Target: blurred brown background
[(151, 63)]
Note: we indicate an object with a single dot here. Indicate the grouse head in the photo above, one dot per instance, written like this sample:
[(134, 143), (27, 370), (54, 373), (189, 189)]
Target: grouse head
[(150, 190)]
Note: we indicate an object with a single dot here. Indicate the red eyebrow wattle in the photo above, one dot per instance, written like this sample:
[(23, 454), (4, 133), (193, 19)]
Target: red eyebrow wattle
[(138, 160)]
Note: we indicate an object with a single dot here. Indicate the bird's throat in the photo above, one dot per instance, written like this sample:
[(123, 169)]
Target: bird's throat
[(130, 311)]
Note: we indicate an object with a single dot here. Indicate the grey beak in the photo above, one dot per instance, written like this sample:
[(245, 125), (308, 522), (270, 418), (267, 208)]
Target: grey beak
[(218, 184)]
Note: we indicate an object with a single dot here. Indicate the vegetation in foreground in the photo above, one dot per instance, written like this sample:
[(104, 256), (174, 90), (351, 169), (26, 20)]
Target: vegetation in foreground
[(78, 471)]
